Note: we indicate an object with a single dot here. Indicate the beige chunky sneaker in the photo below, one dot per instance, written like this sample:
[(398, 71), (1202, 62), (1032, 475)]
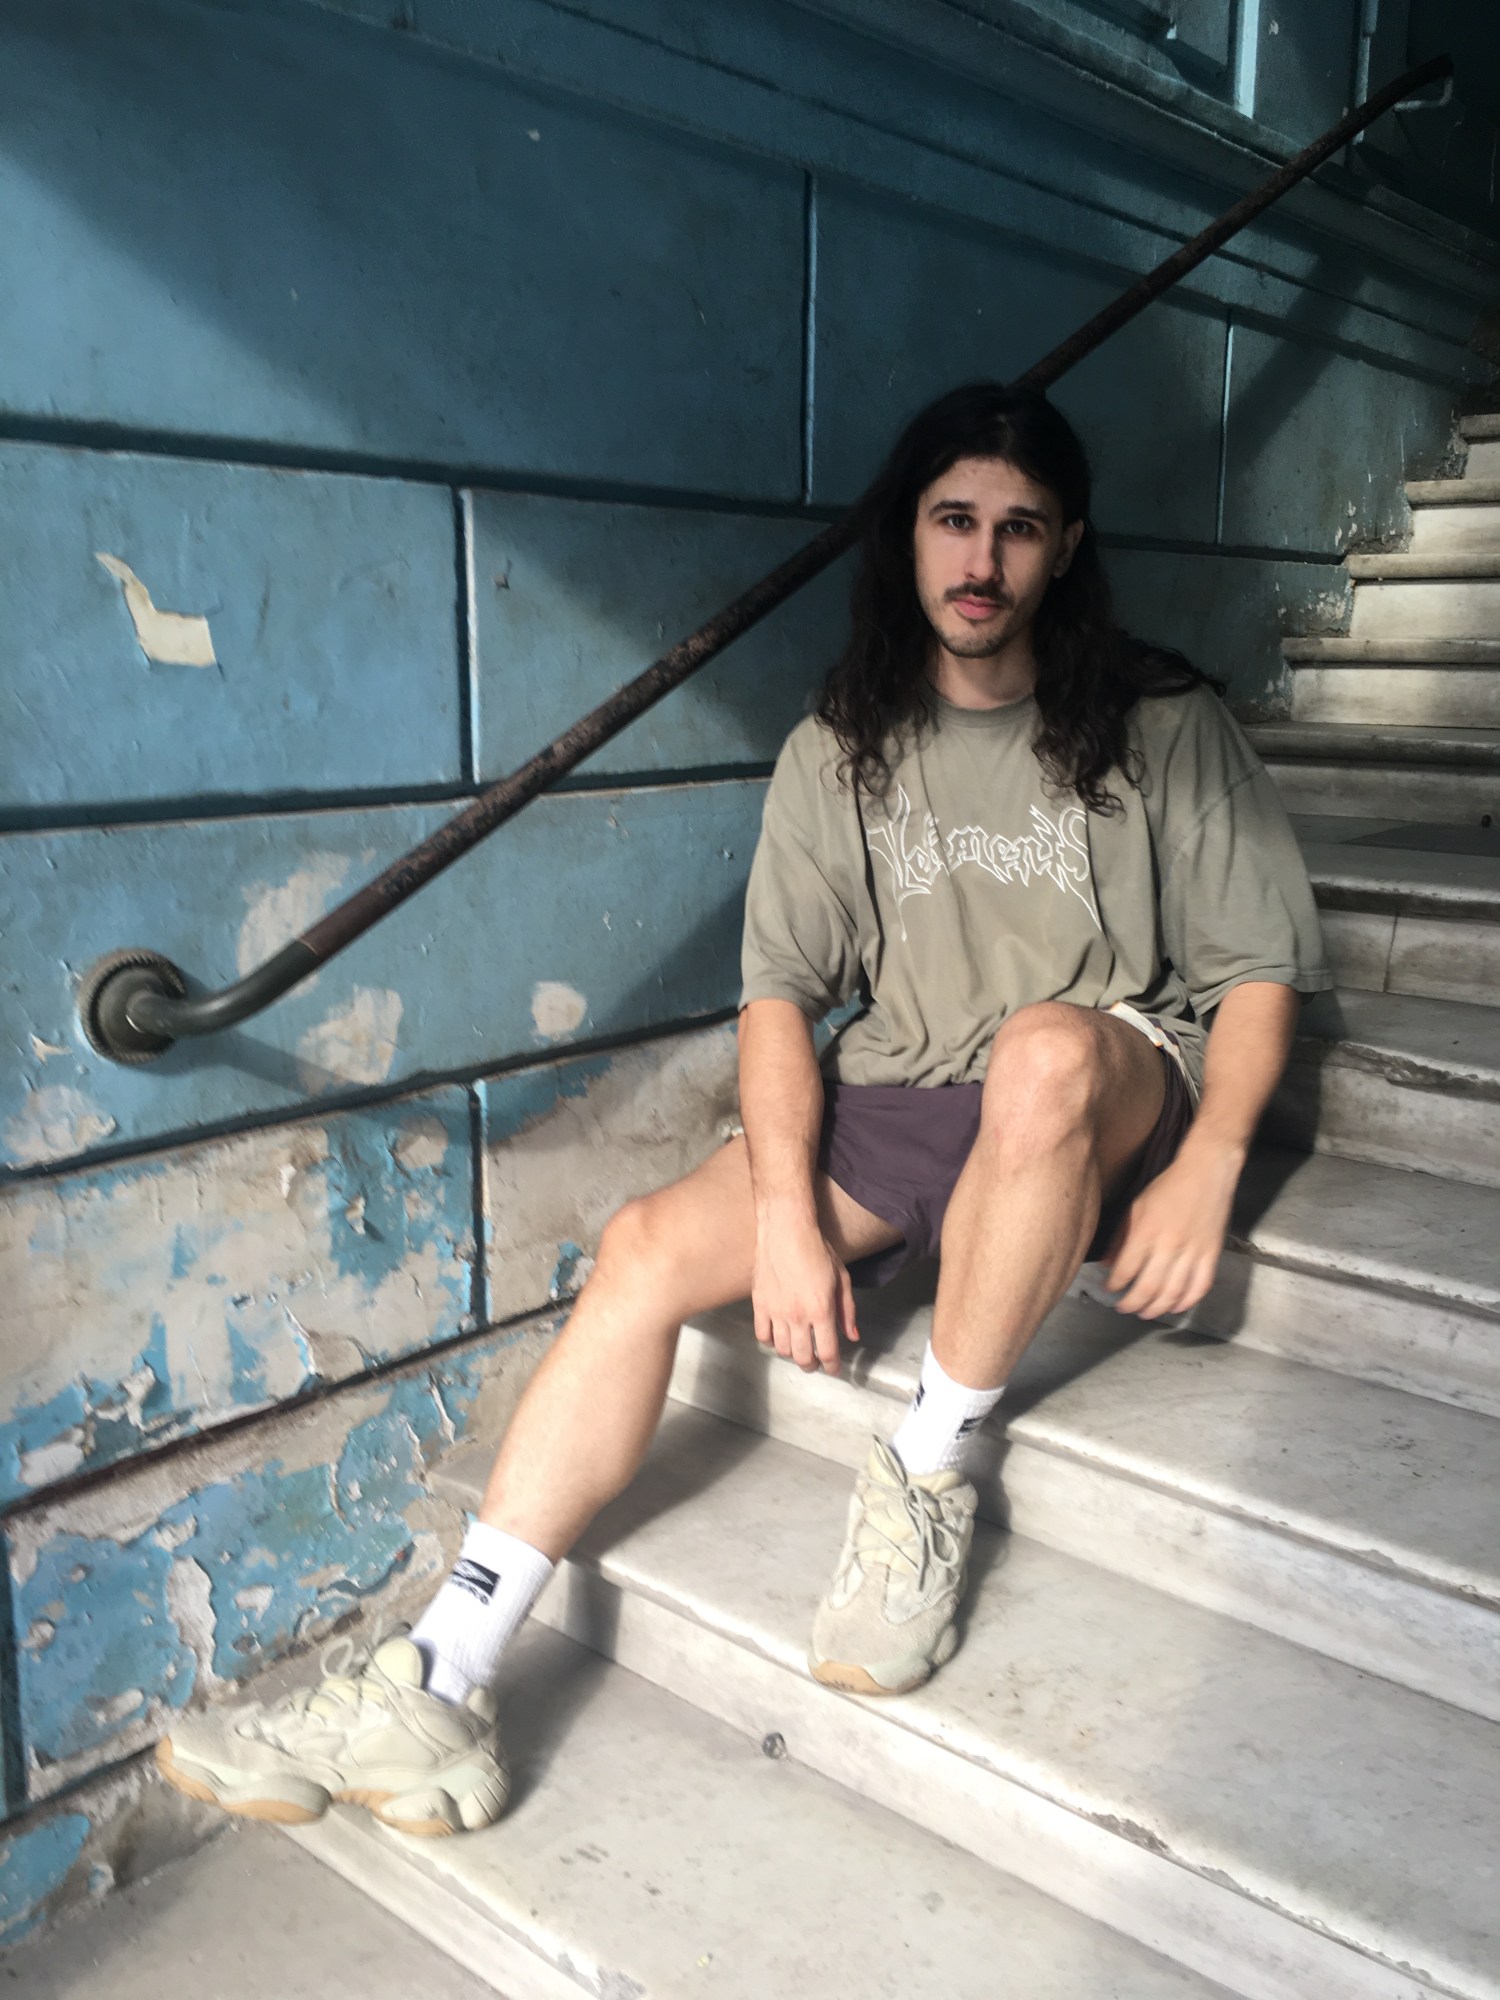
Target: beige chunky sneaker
[(368, 1733), (887, 1621)]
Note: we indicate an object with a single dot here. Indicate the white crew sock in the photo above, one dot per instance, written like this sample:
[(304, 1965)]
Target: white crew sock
[(936, 1431), (473, 1618)]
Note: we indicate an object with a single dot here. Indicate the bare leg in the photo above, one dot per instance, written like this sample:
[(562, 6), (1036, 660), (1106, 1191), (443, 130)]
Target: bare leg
[(1070, 1099), (584, 1424)]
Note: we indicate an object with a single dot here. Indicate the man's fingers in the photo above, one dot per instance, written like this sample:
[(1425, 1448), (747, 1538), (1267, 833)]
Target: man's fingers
[(826, 1337), (846, 1305)]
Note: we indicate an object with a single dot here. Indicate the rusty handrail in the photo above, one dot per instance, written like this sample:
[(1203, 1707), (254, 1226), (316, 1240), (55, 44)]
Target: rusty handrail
[(133, 1004)]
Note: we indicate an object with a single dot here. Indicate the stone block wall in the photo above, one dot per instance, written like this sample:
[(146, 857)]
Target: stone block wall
[(380, 385)]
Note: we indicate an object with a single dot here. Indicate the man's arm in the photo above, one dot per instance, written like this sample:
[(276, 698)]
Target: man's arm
[(801, 1293), (1168, 1248)]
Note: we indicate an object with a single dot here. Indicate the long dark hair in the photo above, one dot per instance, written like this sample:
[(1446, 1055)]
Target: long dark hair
[(1090, 673)]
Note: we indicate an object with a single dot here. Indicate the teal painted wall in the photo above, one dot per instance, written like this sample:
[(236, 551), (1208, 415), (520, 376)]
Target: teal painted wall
[(421, 369)]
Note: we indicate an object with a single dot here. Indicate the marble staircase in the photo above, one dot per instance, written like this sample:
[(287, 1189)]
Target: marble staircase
[(1224, 1716)]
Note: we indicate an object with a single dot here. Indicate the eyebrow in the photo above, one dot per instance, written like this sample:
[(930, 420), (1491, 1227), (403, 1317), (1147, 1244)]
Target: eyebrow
[(1016, 513)]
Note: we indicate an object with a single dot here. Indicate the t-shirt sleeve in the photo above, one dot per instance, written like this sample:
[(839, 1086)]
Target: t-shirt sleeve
[(801, 940), (1236, 902)]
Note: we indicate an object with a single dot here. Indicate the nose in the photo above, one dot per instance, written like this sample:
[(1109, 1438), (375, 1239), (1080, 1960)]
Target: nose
[(983, 564)]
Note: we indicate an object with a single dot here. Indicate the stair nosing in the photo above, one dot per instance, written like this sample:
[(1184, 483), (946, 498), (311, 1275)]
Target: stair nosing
[(1462, 492)]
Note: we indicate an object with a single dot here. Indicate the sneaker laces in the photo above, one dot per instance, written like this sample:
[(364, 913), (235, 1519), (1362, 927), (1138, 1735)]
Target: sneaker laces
[(914, 1538), (342, 1683)]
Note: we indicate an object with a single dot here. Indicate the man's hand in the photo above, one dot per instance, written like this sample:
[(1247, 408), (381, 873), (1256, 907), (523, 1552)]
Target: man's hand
[(1166, 1251), (802, 1297)]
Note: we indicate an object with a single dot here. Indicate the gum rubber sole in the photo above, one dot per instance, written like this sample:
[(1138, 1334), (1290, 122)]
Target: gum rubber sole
[(851, 1679), (281, 1812), (278, 1811), (859, 1680)]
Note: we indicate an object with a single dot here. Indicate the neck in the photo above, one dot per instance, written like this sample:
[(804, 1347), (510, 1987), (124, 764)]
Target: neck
[(992, 682)]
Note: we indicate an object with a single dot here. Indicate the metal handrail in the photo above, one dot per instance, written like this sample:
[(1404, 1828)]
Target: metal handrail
[(133, 1004)]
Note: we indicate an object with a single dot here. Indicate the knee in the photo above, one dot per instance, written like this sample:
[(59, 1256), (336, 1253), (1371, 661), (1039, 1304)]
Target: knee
[(632, 1245), (1045, 1074)]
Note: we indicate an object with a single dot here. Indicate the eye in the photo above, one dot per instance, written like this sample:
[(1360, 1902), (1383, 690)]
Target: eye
[(961, 522), (1021, 529)]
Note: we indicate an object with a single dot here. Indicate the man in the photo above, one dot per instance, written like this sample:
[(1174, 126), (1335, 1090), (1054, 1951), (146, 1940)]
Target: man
[(1041, 854)]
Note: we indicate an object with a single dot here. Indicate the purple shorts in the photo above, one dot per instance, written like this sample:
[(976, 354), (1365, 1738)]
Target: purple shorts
[(898, 1150)]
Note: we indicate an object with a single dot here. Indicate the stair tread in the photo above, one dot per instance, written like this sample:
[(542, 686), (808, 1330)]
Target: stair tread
[(1422, 1042), (1399, 1481), (1453, 492), (1341, 1800), (1377, 743), (1435, 566), (240, 1918), (1339, 649), (1398, 866), (654, 1849), (1484, 424), (1378, 1225)]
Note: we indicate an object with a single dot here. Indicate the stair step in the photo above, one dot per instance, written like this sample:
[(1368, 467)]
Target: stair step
[(1402, 1081), (1453, 492), (1471, 529), (1483, 424), (1274, 1820), (1368, 743), (1369, 1271), (654, 1849), (1398, 567), (1397, 694), (1400, 916), (1369, 771), (243, 1918), (1453, 597), (1353, 1519), (1483, 459), (1339, 649)]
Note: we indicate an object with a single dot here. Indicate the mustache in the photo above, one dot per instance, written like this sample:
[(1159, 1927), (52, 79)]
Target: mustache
[(985, 593)]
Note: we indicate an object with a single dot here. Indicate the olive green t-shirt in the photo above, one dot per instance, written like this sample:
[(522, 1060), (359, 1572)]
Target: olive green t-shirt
[(974, 888)]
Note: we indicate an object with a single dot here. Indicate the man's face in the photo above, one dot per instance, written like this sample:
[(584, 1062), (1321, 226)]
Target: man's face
[(987, 543)]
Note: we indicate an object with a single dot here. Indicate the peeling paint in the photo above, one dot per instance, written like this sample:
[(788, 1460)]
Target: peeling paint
[(557, 1009), (170, 638), (33, 1864), (356, 1046), (567, 1143), (154, 1299), (41, 1050), (156, 1595), (278, 912), (55, 1123)]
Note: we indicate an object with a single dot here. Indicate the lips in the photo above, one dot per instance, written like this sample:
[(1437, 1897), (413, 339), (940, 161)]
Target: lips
[(975, 608)]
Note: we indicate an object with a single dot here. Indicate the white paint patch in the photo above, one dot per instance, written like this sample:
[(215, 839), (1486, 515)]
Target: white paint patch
[(255, 1598), (54, 1123), (115, 1707), (277, 912), (424, 1148), (52, 1461), (357, 1046), (41, 1050), (170, 638), (557, 1009), (39, 1636)]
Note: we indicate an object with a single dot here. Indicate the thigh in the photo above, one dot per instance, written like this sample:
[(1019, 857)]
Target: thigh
[(1131, 1108), (705, 1226)]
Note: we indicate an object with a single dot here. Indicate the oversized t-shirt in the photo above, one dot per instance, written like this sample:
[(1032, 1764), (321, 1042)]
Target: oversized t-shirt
[(974, 887)]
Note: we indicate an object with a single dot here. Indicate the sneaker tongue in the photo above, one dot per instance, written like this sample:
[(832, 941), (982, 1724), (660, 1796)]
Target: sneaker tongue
[(400, 1661), (937, 1482)]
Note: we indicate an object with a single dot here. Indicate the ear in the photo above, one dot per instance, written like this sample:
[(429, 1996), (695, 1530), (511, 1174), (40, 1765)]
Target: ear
[(1072, 535)]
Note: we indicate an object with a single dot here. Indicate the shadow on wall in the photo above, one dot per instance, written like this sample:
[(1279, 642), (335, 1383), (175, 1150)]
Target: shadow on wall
[(312, 235)]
